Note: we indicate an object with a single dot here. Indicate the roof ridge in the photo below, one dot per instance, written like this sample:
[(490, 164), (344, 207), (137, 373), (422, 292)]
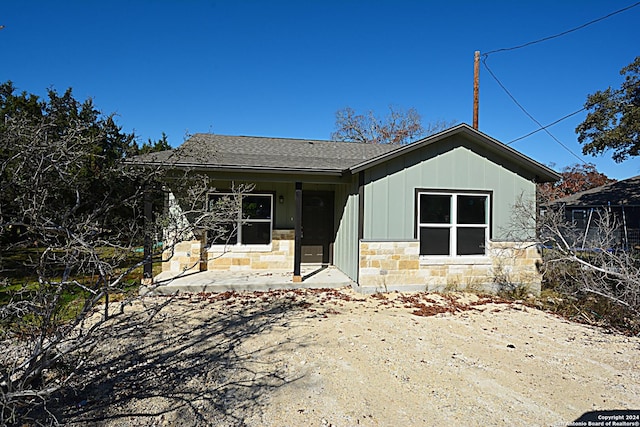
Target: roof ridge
[(295, 139)]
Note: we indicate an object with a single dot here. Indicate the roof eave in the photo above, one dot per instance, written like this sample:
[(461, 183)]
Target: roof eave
[(249, 169)]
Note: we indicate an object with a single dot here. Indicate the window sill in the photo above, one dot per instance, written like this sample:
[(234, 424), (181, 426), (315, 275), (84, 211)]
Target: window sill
[(240, 248), (457, 260)]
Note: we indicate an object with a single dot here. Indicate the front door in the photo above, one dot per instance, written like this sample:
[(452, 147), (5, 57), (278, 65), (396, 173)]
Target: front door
[(317, 226)]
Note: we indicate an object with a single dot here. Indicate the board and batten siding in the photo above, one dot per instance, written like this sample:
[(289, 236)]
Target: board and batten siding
[(345, 251), (389, 194)]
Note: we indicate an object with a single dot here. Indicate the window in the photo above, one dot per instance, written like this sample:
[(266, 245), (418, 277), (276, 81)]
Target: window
[(579, 218), (249, 222), (453, 224)]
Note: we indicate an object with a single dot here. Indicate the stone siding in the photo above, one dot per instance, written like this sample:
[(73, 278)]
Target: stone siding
[(383, 266), (280, 257), (192, 256), (185, 257), (387, 266)]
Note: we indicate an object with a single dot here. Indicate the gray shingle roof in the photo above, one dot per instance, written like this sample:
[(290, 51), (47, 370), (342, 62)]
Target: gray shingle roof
[(625, 192), (286, 154), (223, 152)]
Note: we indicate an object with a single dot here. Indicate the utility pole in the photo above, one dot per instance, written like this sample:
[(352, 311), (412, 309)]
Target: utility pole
[(476, 88)]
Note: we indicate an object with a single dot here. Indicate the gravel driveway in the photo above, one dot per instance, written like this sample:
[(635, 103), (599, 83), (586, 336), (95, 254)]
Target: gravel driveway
[(334, 357)]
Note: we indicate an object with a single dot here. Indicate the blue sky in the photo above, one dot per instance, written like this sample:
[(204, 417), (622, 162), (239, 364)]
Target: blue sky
[(283, 68)]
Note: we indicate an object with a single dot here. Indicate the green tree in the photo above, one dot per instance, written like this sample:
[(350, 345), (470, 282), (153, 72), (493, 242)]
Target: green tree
[(72, 207), (154, 146), (70, 201), (11, 104), (86, 151), (613, 121)]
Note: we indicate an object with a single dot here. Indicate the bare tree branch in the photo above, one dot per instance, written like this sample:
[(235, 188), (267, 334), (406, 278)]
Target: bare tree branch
[(592, 260), (399, 127)]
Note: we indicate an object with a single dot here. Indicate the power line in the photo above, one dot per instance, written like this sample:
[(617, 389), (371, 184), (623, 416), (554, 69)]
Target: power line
[(484, 62), (547, 126), (486, 55), (544, 39)]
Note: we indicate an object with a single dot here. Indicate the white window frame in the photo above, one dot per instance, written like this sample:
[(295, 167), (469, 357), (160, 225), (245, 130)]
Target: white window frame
[(453, 225), (238, 246)]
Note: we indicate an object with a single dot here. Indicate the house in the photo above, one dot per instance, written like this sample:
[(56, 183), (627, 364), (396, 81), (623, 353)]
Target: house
[(619, 201), (430, 215)]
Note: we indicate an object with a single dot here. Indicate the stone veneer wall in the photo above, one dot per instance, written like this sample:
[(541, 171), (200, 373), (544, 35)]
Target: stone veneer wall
[(279, 258), (387, 266), (192, 256), (185, 258)]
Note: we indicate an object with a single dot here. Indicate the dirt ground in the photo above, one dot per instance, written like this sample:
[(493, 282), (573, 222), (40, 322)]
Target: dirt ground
[(337, 358)]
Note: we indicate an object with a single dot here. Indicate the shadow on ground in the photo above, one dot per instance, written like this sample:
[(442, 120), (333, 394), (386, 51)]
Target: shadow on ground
[(194, 368)]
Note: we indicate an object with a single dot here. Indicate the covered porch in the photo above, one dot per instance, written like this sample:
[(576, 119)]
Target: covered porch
[(286, 225), (314, 276)]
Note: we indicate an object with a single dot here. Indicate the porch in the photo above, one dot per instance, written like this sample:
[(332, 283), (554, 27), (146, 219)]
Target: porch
[(313, 277)]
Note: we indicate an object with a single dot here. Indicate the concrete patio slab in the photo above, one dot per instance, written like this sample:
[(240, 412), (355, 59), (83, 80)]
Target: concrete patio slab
[(313, 276)]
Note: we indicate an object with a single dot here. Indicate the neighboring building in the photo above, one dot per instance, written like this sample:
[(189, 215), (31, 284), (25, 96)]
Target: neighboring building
[(430, 215), (619, 201)]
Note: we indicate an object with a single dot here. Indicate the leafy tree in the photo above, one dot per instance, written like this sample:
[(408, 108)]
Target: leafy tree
[(154, 146), (90, 149), (575, 178), (10, 104), (613, 121), (399, 127), (65, 195), (72, 209), (81, 146)]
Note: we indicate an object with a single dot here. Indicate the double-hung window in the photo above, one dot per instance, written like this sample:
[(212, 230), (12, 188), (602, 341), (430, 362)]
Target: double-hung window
[(453, 224), (246, 221)]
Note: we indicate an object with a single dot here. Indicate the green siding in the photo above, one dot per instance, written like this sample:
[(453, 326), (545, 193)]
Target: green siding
[(345, 250), (397, 224), (284, 213), (453, 165)]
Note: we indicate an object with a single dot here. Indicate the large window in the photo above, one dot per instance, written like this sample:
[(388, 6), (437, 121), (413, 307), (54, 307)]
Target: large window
[(453, 224), (247, 221)]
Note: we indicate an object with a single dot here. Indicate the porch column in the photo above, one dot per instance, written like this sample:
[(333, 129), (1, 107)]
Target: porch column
[(297, 251), (360, 221), (147, 270)]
